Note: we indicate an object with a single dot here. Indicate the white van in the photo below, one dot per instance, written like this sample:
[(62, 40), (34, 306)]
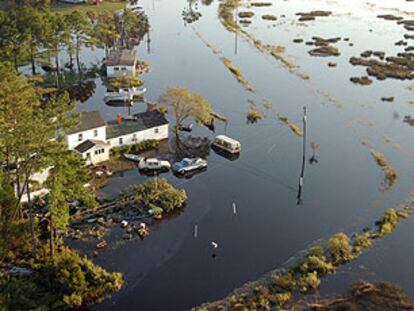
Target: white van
[(226, 143)]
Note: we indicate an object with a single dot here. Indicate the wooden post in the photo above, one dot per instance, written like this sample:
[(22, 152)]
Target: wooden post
[(302, 173)]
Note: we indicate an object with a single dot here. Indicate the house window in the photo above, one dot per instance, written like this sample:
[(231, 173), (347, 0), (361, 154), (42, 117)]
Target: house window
[(116, 68), (134, 137), (102, 150), (80, 137), (121, 141), (88, 155), (156, 130), (123, 68), (95, 133)]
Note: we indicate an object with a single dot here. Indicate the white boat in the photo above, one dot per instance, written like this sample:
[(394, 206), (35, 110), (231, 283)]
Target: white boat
[(121, 95), (132, 157), (125, 95), (137, 91)]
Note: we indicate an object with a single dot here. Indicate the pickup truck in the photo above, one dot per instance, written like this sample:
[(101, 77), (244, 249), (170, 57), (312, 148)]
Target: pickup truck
[(153, 164), (188, 165)]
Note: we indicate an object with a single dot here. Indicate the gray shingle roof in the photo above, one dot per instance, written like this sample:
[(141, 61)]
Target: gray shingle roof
[(88, 120), (121, 57), (143, 121), (88, 144)]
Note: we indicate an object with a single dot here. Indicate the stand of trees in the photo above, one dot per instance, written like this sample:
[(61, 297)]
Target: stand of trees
[(30, 35), (29, 142)]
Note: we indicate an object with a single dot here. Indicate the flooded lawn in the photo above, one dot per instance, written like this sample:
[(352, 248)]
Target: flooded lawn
[(267, 62)]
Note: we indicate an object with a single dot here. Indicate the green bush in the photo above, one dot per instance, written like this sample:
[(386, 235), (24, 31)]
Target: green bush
[(158, 193), (339, 248), (361, 241), (137, 148), (308, 282), (388, 221), (69, 281)]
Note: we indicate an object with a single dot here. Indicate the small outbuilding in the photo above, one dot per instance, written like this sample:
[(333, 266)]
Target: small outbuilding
[(94, 151), (121, 63)]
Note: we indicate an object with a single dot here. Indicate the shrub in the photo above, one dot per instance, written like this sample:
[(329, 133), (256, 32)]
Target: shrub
[(339, 248), (69, 281), (285, 281), (281, 299), (309, 282), (388, 221), (158, 193), (254, 115), (361, 241)]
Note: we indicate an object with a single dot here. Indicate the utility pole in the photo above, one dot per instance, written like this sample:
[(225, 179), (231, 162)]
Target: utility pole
[(302, 173), (235, 30)]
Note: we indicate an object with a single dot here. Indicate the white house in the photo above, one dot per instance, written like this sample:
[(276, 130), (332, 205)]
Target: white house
[(94, 151), (146, 125), (93, 138), (91, 126), (121, 63)]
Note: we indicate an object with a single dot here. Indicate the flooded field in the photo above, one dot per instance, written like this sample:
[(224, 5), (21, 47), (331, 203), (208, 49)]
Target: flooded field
[(263, 64)]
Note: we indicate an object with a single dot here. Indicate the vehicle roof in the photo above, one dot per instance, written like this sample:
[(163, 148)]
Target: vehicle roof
[(227, 139)]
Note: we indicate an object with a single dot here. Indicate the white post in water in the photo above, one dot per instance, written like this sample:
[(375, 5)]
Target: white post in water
[(301, 178), (195, 230), (234, 208)]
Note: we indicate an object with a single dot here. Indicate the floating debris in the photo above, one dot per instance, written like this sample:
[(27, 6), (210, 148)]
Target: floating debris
[(247, 14), (361, 80), (387, 99), (269, 17), (310, 16), (325, 51), (390, 174)]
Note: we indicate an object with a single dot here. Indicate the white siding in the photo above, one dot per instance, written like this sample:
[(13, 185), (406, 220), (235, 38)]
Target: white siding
[(73, 139), (159, 133), (123, 71), (93, 157)]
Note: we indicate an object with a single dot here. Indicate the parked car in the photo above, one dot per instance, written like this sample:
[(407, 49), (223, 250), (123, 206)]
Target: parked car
[(153, 164), (188, 165)]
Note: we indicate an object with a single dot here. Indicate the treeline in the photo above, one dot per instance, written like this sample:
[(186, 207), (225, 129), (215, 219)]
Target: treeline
[(30, 35), (32, 234)]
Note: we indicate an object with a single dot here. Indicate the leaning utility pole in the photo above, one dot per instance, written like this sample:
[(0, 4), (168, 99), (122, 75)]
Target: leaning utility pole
[(299, 197)]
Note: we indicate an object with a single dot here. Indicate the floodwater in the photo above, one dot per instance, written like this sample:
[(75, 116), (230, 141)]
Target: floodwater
[(174, 270)]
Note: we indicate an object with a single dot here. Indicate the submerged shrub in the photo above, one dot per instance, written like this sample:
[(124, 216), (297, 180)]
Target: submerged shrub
[(361, 241), (285, 281), (388, 221), (254, 115), (308, 282), (339, 248), (158, 194)]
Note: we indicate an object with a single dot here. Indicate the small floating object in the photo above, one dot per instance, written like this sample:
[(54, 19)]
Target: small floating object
[(214, 244), (124, 224), (234, 208), (186, 128), (127, 236), (91, 220), (108, 173), (132, 157), (101, 244), (99, 173)]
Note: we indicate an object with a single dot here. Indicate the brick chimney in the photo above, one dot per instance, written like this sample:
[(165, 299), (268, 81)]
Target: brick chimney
[(151, 106)]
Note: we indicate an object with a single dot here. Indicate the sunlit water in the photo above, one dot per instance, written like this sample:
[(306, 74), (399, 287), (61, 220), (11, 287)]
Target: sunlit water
[(173, 270)]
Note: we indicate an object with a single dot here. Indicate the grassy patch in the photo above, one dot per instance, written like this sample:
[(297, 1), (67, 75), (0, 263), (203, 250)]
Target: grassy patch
[(390, 174), (237, 74)]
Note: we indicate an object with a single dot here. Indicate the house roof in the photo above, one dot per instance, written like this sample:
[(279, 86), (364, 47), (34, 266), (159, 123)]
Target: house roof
[(142, 121), (121, 57), (88, 120), (88, 144)]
